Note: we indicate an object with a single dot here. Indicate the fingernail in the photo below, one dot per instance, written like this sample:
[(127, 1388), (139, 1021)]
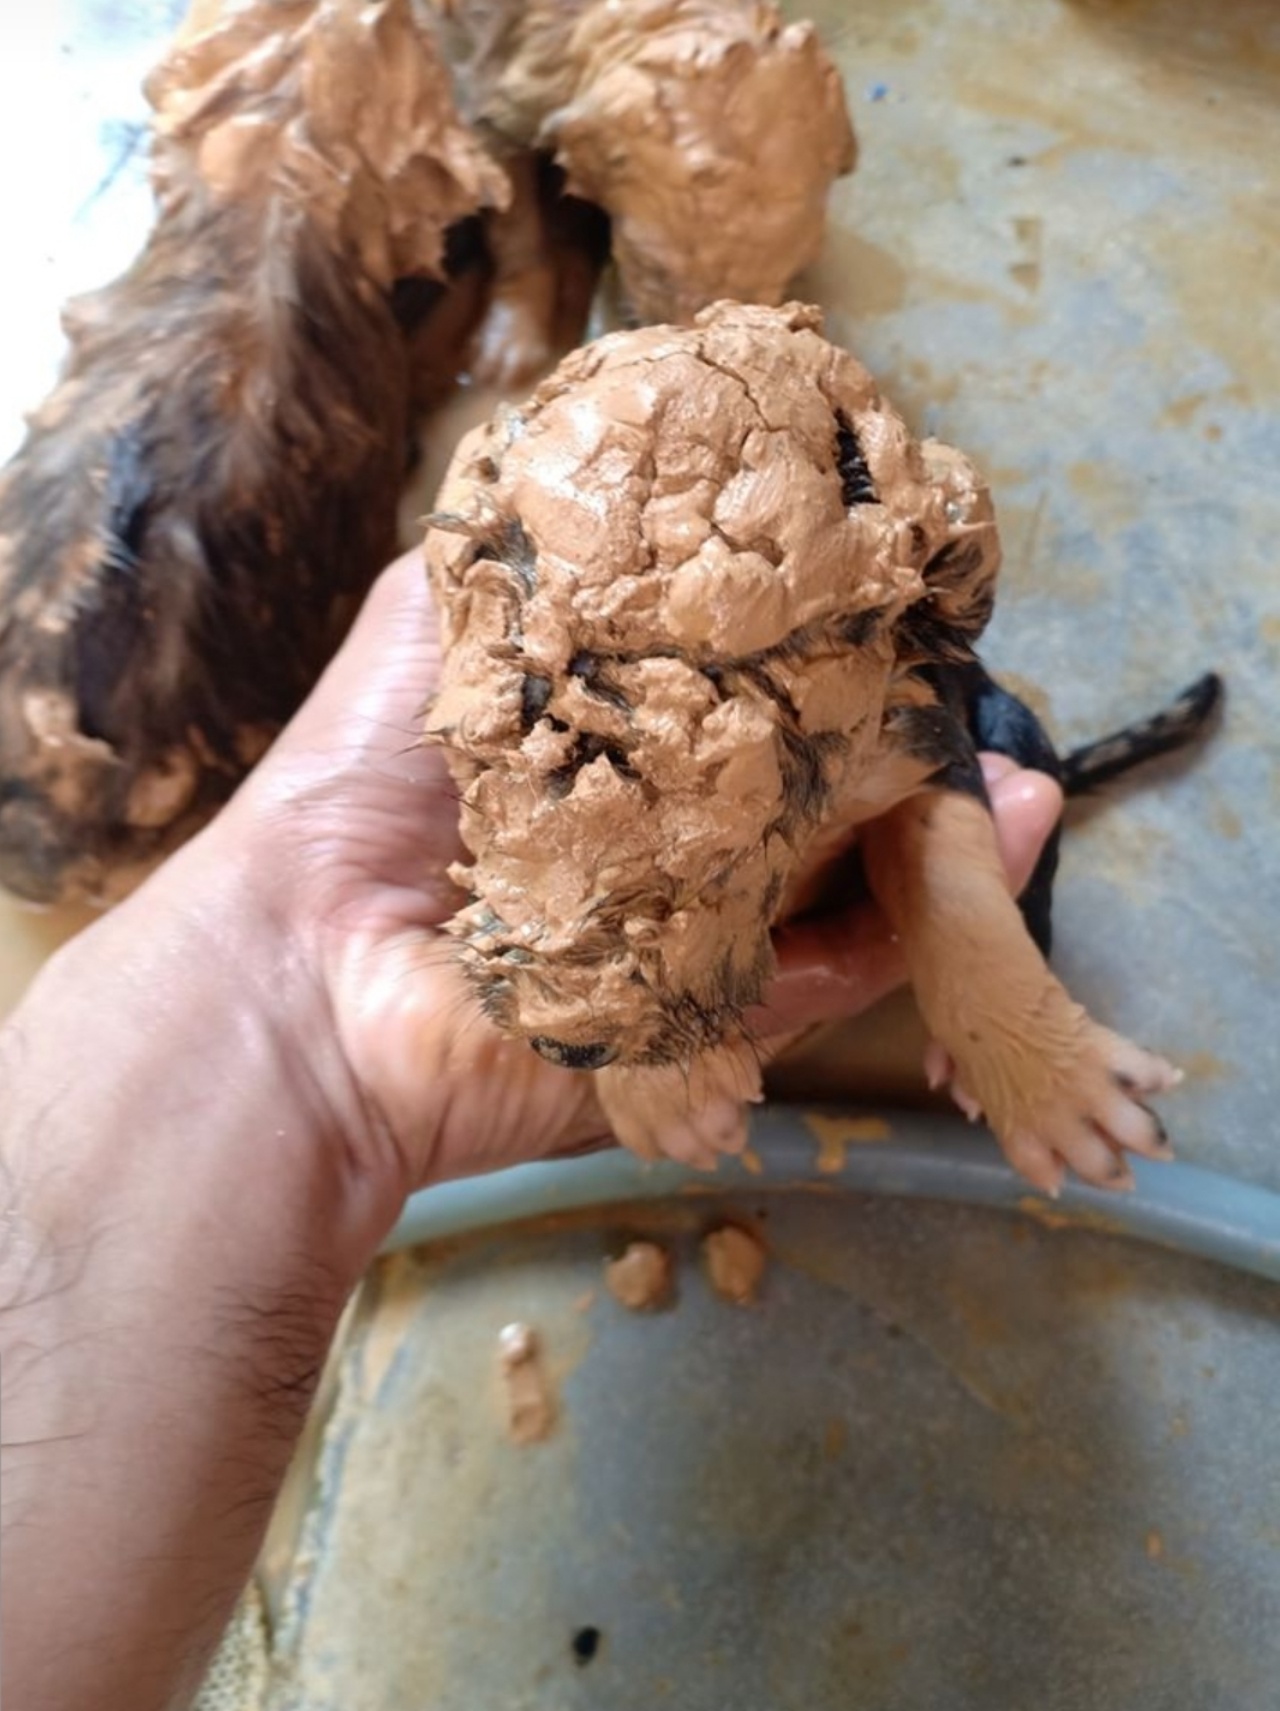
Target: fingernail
[(1026, 790), (995, 767)]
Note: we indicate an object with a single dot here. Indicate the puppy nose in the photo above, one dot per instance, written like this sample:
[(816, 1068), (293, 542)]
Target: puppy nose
[(573, 1057)]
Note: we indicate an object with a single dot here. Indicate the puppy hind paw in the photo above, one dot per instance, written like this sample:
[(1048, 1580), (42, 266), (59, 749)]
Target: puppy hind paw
[(1096, 1116), (1088, 1116), (940, 1072)]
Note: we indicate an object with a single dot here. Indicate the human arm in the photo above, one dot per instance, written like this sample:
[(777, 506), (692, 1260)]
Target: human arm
[(212, 1106)]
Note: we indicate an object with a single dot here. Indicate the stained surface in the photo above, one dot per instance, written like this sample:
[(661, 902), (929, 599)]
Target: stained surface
[(1061, 251), (950, 1459)]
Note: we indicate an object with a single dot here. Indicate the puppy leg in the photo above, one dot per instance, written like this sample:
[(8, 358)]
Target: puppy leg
[(1001, 723), (997, 721), (690, 1113), (516, 338), (1055, 1087)]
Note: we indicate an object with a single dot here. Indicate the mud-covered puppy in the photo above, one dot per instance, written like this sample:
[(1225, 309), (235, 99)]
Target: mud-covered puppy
[(205, 497), (709, 614), (709, 131)]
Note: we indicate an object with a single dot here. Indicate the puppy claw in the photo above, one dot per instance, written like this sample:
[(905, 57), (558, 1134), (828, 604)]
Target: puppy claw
[(938, 1067), (1136, 1071), (1031, 1158), (971, 1107), (940, 1072)]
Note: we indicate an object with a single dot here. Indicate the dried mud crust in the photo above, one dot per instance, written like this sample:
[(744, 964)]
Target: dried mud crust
[(695, 595)]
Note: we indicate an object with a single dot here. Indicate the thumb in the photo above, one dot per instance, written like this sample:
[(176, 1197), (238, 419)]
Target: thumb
[(839, 965)]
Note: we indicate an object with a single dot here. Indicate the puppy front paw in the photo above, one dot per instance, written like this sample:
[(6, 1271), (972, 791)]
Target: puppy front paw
[(514, 343), (691, 1114)]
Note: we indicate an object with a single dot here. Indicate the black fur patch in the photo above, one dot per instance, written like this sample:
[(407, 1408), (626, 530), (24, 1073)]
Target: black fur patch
[(587, 667), (535, 694), (922, 634), (514, 549), (953, 562), (107, 639), (588, 747), (804, 777), (936, 738), (413, 299), (999, 721), (856, 484), (858, 628)]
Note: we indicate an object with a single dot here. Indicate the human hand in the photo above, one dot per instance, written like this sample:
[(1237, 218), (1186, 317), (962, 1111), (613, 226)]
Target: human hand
[(212, 1105), (352, 823)]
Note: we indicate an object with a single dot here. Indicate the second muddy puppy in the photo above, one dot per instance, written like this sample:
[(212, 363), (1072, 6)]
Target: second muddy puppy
[(709, 614), (708, 131), (203, 500)]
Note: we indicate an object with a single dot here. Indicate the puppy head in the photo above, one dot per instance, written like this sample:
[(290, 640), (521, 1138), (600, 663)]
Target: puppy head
[(349, 106), (711, 136), (668, 587)]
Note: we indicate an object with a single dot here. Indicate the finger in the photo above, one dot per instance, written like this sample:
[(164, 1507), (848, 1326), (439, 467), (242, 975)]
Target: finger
[(839, 965), (1026, 807), (370, 702), (350, 782), (454, 1096)]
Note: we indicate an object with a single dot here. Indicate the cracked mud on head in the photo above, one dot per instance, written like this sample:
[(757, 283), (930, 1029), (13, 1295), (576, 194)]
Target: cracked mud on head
[(680, 588)]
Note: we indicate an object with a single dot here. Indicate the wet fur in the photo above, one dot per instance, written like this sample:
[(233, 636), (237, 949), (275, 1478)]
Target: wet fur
[(195, 514), (209, 491), (925, 735), (230, 483), (593, 86), (941, 709)]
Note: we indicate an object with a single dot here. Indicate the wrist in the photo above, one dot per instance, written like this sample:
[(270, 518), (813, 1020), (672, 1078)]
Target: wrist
[(185, 1209)]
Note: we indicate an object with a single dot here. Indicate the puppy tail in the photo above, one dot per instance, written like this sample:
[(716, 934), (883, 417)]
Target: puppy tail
[(1086, 768)]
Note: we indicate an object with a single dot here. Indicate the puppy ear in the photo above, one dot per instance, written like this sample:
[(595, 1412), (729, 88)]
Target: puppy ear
[(841, 153), (590, 135), (571, 136)]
